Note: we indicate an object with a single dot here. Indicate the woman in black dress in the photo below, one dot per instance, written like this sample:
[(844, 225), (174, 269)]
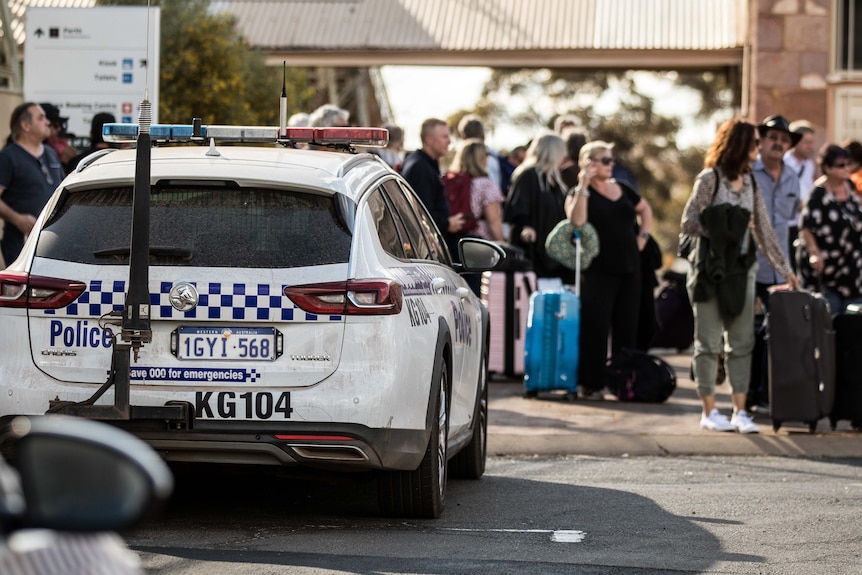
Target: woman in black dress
[(610, 287)]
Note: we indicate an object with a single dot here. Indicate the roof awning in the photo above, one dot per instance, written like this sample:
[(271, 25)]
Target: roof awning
[(561, 33)]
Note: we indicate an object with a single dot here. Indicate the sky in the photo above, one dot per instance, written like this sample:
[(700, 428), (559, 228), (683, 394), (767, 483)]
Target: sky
[(420, 92)]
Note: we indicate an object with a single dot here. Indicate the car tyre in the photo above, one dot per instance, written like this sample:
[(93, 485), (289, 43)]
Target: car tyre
[(469, 463), (421, 493)]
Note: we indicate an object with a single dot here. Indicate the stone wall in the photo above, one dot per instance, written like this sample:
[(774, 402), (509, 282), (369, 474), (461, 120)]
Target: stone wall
[(790, 61)]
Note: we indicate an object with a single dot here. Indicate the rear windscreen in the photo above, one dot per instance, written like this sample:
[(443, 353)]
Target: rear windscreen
[(200, 226)]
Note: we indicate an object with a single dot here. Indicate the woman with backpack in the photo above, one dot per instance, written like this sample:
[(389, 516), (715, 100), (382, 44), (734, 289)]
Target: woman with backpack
[(484, 198), (471, 192)]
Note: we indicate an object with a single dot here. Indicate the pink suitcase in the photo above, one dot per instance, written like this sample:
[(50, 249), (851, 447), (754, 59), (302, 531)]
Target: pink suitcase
[(507, 297)]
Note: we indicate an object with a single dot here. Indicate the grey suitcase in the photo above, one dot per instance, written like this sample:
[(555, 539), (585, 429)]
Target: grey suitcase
[(801, 358)]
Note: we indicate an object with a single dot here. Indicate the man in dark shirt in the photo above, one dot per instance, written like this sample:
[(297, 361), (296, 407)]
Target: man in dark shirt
[(29, 173), (422, 171)]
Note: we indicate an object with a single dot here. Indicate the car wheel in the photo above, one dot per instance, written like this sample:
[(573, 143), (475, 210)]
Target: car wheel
[(469, 463), (421, 493)]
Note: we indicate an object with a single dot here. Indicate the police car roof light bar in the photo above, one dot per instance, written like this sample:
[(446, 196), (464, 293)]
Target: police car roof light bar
[(185, 133)]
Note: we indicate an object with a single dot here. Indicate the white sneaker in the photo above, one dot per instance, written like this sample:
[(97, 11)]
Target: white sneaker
[(743, 423), (715, 421)]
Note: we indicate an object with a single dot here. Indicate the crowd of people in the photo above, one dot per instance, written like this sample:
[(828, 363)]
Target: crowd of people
[(520, 196), (794, 216)]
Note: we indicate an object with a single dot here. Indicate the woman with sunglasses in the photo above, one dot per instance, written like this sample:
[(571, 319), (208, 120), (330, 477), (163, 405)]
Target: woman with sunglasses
[(830, 257), (610, 287), (729, 160)]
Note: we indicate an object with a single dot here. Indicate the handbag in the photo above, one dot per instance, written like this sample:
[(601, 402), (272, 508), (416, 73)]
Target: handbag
[(560, 244)]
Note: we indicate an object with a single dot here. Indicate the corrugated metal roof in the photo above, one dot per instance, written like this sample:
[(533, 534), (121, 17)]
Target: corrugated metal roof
[(490, 25)]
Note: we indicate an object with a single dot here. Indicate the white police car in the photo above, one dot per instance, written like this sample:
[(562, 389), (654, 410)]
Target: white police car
[(301, 309)]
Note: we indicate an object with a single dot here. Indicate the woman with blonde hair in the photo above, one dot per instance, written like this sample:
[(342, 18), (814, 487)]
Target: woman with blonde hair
[(611, 286), (486, 198), (536, 204)]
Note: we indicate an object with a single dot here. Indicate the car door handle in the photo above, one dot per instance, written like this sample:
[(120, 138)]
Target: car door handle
[(462, 293), (438, 285)]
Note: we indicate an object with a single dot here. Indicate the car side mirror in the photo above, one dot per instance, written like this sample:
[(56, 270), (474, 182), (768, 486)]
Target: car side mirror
[(479, 255), (83, 475)]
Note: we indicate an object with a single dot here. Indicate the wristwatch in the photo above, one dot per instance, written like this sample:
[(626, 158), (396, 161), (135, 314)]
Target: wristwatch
[(644, 235)]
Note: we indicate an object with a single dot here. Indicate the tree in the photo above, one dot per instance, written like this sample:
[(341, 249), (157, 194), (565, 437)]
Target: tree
[(613, 106), (207, 70)]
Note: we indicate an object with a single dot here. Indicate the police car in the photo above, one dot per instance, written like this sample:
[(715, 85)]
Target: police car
[(300, 308)]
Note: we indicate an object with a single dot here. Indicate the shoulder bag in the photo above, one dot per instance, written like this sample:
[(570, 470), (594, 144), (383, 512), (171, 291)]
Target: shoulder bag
[(687, 241)]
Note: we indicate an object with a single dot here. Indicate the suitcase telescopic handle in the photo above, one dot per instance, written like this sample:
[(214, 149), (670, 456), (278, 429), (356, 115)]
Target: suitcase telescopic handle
[(577, 236)]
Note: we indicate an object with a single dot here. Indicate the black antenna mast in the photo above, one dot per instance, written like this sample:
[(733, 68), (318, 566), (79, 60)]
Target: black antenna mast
[(282, 108)]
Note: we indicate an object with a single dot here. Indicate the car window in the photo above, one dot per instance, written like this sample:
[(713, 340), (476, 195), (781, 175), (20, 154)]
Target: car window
[(436, 243), (213, 226), (408, 219), (387, 231)]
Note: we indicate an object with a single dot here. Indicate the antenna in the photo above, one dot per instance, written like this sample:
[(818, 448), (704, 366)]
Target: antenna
[(136, 329), (282, 110)]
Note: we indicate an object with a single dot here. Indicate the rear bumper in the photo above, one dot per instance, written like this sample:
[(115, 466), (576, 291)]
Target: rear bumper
[(336, 447)]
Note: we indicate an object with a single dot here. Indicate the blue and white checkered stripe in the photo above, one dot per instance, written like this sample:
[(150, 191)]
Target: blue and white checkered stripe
[(217, 301)]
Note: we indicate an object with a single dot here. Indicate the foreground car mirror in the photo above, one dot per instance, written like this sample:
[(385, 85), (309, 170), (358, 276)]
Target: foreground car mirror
[(479, 255), (82, 475)]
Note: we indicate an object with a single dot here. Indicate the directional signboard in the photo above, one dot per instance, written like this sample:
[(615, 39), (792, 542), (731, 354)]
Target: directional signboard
[(91, 60)]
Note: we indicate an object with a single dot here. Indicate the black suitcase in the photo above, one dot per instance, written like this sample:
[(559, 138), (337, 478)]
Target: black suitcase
[(758, 388), (674, 313), (848, 370), (801, 358)]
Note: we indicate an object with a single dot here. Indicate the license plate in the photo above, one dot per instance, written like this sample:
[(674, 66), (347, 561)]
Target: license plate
[(228, 343), (248, 405)]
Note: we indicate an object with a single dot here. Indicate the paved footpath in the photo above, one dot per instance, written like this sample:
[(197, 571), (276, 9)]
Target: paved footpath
[(554, 425)]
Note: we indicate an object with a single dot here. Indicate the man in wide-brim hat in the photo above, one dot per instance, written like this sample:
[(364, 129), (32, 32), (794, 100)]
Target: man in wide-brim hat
[(780, 124), (779, 186)]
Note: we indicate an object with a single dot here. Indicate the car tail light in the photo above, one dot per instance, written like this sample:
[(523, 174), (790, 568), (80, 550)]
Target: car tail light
[(19, 289), (354, 297)]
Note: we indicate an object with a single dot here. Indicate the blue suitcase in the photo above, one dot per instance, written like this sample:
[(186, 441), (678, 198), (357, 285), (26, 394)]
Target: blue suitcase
[(551, 346)]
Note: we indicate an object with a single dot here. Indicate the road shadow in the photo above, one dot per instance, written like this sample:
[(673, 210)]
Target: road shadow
[(495, 525)]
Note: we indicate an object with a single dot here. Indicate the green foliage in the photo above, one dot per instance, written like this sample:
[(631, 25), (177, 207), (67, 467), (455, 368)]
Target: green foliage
[(208, 71), (645, 141)]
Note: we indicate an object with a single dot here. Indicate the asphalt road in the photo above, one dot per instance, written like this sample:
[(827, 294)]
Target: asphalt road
[(529, 514)]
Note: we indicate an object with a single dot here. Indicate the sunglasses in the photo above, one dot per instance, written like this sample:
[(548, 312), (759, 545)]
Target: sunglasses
[(840, 165), (46, 172), (606, 161)]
